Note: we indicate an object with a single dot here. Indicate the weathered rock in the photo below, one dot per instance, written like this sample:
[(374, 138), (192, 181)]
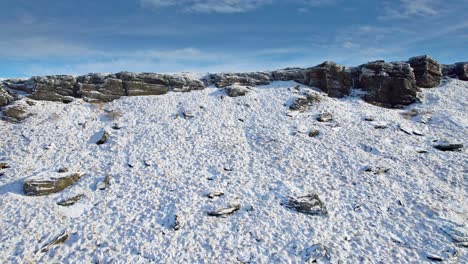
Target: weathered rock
[(145, 77), (140, 88), (388, 84), (325, 117), (185, 84), (104, 184), (103, 138), (309, 204), (100, 87), (288, 74), (214, 194), (427, 71), (314, 253), (302, 103), (314, 133), (222, 80), (71, 201), (237, 90), (457, 70), (60, 239), (15, 113), (333, 79), (4, 165), (54, 88), (446, 146), (22, 85), (225, 211), (377, 170), (5, 97), (49, 182)]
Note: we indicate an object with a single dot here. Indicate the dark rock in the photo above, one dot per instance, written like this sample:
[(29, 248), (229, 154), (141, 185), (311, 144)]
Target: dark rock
[(185, 84), (314, 133), (457, 70), (54, 88), (140, 88), (331, 78), (62, 170), (309, 204), (427, 71), (146, 77), (214, 194), (5, 97), (377, 170), (71, 201), (103, 138), (288, 74), (60, 239), (302, 103), (49, 182), (176, 223), (100, 87), (15, 114), (445, 146), (388, 84), (325, 117), (237, 90), (4, 165), (21, 85), (104, 184), (222, 80), (225, 211)]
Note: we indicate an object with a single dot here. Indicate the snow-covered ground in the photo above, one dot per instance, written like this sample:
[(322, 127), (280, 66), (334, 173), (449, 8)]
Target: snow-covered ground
[(257, 153)]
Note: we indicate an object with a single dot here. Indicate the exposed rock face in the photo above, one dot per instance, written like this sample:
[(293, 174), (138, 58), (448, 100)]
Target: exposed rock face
[(222, 80), (331, 78), (22, 85), (458, 70), (427, 71), (49, 182), (137, 84), (388, 84), (237, 90), (54, 88), (5, 97), (185, 84), (288, 74), (100, 87)]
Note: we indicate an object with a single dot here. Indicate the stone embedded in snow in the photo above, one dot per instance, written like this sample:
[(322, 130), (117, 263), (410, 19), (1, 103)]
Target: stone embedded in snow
[(459, 235), (225, 211), (15, 113), (237, 90), (406, 129), (418, 133), (214, 194), (299, 104), (71, 201), (4, 165), (104, 184), (5, 97), (314, 253), (309, 204), (380, 125), (325, 117), (426, 70), (434, 257), (176, 223), (62, 170), (446, 146), (314, 133), (60, 239), (369, 118), (103, 138), (49, 182), (377, 170)]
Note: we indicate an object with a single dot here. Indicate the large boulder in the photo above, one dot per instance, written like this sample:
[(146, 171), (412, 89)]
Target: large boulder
[(288, 74), (457, 70), (185, 84), (331, 78), (22, 85), (54, 88), (5, 97), (427, 71), (222, 80), (100, 87), (49, 182), (388, 84)]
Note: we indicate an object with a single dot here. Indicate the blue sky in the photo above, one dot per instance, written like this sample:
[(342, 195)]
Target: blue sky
[(40, 37)]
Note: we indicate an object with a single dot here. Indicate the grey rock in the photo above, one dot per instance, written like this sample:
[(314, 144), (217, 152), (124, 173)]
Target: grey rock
[(457, 70), (388, 84), (309, 204), (185, 84), (214, 194), (54, 88), (222, 80), (225, 211), (21, 85), (140, 88), (427, 71), (325, 117), (49, 182), (4, 165), (60, 239), (314, 253), (104, 184), (377, 170), (5, 97), (100, 87), (15, 113), (303, 102), (288, 74), (331, 78), (314, 133), (446, 146), (71, 201), (103, 138), (237, 90)]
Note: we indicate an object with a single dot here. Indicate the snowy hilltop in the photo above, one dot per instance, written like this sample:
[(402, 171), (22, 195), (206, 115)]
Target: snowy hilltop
[(328, 164)]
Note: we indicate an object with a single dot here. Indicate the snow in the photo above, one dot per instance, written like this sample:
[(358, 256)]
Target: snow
[(163, 166)]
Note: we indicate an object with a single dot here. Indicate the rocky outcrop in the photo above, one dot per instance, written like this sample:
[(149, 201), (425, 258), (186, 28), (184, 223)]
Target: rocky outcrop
[(388, 84), (457, 70), (222, 80), (185, 84), (5, 97), (237, 90), (138, 84), (100, 87), (288, 74), (331, 78), (427, 71), (54, 88)]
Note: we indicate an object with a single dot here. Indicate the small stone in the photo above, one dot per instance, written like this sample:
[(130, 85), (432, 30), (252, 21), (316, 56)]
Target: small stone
[(380, 125), (445, 146), (62, 170), (60, 239), (417, 133), (225, 211), (176, 224), (325, 117), (309, 204), (237, 90), (406, 129), (116, 127), (377, 170), (369, 118), (187, 114), (314, 253), (4, 165), (30, 103), (104, 184), (434, 257), (71, 201), (214, 194), (314, 133), (103, 138)]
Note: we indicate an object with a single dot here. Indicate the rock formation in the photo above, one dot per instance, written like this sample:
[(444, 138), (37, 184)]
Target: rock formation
[(331, 78), (426, 70), (457, 70)]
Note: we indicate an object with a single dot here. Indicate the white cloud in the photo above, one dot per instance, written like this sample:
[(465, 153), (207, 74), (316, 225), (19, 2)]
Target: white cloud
[(209, 6), (413, 8)]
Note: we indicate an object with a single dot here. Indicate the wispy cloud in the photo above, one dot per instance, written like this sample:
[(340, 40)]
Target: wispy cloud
[(407, 9), (209, 6)]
